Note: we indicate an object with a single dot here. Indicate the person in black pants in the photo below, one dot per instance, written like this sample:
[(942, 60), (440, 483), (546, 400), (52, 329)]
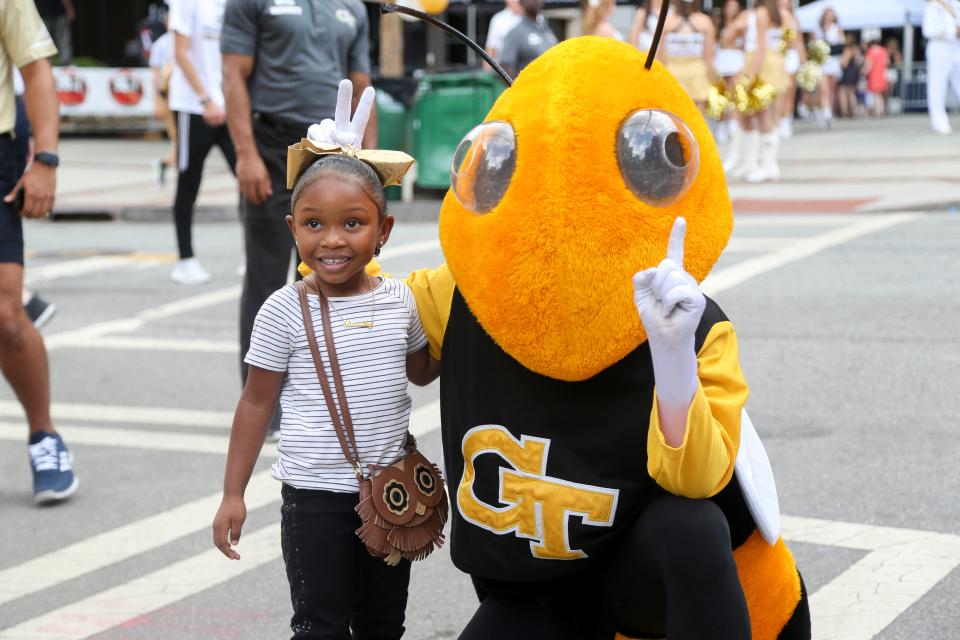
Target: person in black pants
[(196, 97)]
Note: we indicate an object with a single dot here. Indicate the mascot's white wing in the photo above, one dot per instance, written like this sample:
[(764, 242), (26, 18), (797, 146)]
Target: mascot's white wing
[(756, 481)]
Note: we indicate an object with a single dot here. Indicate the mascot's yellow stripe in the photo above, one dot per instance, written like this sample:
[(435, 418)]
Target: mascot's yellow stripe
[(770, 583)]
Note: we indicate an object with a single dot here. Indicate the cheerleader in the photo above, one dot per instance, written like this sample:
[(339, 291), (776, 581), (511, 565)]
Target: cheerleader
[(596, 18), (689, 40), (753, 156), (645, 24), (728, 63), (795, 55), (830, 32)]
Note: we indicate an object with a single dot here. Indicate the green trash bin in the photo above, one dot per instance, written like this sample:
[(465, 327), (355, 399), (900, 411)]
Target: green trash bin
[(391, 129), (446, 107)]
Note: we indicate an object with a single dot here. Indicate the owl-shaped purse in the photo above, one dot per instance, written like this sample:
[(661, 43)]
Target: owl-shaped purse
[(403, 506)]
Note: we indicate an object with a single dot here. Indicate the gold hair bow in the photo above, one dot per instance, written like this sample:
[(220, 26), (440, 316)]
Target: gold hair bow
[(390, 166)]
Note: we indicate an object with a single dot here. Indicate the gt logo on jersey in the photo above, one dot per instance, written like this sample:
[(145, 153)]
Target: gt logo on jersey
[(538, 506)]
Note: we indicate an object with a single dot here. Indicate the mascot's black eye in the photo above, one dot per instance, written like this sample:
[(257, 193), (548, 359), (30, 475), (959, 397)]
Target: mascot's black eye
[(483, 166), (657, 155)]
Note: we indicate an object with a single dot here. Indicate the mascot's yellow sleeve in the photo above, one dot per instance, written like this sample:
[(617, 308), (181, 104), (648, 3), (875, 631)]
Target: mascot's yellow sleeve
[(433, 291), (703, 463)]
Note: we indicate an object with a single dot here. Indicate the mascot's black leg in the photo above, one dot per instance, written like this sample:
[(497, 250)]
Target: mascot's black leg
[(566, 608), (509, 618), (675, 575)]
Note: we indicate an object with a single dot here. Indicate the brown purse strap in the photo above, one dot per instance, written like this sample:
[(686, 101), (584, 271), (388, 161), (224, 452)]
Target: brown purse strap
[(344, 428)]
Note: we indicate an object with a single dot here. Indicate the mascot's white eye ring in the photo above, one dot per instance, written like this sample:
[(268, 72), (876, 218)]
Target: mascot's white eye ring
[(483, 165), (657, 155)]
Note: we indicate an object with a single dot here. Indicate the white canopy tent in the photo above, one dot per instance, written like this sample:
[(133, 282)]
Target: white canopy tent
[(863, 14)]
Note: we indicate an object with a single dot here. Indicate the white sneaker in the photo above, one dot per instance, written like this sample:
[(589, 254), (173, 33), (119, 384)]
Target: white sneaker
[(189, 271), (242, 269), (944, 130), (786, 129)]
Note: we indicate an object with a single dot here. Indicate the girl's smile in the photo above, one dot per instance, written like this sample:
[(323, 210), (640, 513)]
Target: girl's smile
[(337, 228)]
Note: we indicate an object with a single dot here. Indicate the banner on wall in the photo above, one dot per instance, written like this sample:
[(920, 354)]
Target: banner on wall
[(104, 91)]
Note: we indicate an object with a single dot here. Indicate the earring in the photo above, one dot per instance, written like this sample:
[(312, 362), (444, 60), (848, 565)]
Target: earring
[(376, 252)]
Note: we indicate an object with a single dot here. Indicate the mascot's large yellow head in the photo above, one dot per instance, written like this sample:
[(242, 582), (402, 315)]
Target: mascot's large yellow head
[(569, 187)]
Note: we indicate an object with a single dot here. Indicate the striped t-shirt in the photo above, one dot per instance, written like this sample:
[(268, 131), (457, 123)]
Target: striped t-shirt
[(373, 366)]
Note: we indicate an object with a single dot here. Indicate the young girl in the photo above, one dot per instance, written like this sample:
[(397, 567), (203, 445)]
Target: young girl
[(339, 223)]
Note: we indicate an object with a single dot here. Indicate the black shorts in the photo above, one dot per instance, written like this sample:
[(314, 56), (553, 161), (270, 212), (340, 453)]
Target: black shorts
[(11, 226)]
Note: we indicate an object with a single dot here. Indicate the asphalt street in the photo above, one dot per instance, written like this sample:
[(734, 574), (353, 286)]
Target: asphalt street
[(847, 330)]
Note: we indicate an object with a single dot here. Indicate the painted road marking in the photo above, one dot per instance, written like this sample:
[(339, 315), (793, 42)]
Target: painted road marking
[(150, 592), (902, 566), (127, 541), (129, 325), (135, 538), (37, 275), (423, 419), (143, 343), (132, 439), (125, 414), (805, 248)]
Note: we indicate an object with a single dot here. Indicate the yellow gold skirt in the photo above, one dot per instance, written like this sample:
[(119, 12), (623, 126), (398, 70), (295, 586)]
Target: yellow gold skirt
[(692, 75), (773, 70)]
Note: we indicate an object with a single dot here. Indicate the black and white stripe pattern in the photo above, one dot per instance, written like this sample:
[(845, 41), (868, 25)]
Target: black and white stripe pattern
[(373, 366)]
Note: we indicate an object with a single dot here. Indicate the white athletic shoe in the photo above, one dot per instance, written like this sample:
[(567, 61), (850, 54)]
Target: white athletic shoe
[(189, 271), (944, 130)]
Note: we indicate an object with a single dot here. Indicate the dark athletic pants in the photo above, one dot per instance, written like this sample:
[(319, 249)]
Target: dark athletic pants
[(335, 585), (674, 576), (195, 139), (267, 238)]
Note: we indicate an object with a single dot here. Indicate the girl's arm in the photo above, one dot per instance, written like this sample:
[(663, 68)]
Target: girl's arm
[(422, 368), (639, 22), (254, 411)]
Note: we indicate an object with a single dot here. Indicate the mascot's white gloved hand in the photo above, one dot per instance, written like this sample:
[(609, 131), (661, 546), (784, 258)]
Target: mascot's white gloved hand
[(342, 131), (671, 304)]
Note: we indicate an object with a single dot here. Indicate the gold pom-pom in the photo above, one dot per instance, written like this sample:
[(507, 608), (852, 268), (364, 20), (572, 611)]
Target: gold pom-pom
[(818, 51), (809, 75), (753, 95), (786, 38), (718, 100)]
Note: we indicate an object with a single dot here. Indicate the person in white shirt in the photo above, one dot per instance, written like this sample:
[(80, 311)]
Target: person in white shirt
[(500, 25), (196, 96), (941, 28)]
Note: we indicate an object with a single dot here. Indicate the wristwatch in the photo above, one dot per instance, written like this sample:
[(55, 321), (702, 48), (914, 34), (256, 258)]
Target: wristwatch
[(48, 158), (204, 100)]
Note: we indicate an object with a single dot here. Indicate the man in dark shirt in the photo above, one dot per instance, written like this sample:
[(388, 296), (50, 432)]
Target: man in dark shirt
[(531, 37), (282, 65)]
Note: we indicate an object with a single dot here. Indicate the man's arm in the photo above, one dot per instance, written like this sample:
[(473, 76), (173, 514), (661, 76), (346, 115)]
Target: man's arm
[(360, 82), (43, 111), (251, 172)]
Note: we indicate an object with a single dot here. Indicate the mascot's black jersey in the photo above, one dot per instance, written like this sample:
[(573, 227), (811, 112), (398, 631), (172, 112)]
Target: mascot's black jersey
[(541, 472)]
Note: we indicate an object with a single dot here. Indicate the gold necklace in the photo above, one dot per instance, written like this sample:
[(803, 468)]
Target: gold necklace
[(359, 324)]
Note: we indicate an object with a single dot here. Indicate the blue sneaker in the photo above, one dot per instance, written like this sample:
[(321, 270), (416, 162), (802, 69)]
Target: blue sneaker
[(52, 464)]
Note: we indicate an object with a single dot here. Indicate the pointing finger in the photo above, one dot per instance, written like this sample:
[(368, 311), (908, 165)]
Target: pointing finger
[(344, 102), (362, 115), (675, 246)]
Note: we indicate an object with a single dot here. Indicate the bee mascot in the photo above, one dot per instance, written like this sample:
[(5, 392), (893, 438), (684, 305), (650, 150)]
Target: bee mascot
[(604, 479)]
